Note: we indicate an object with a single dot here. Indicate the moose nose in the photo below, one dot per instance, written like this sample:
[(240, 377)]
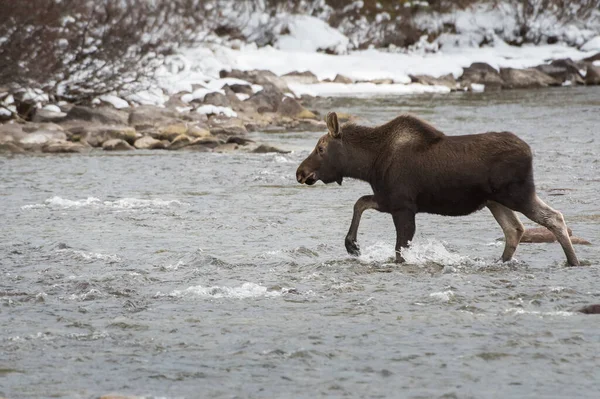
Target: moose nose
[(300, 176)]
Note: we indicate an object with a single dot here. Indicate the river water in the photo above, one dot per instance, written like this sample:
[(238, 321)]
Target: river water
[(186, 275)]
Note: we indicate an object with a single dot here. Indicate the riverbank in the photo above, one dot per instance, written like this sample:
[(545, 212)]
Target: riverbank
[(209, 98)]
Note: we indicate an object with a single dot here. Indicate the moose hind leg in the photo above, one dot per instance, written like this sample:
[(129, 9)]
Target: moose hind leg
[(405, 230), (363, 203), (553, 220), (511, 226)]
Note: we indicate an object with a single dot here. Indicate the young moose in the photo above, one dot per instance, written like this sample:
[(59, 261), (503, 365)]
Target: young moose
[(413, 167)]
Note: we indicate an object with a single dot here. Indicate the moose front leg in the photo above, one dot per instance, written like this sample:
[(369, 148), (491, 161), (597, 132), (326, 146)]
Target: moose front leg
[(404, 221), (363, 203)]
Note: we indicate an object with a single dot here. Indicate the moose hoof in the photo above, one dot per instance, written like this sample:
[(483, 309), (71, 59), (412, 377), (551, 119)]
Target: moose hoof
[(352, 247)]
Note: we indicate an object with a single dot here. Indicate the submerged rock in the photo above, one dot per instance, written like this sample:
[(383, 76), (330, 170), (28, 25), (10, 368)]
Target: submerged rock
[(446, 80), (264, 149), (542, 234), (590, 309)]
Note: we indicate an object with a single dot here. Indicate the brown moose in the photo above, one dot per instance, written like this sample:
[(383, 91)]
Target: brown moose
[(412, 167)]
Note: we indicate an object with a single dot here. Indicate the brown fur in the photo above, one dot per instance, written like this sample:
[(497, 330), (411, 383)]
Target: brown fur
[(412, 167)]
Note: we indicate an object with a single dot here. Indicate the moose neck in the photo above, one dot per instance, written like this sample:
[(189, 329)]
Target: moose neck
[(359, 159)]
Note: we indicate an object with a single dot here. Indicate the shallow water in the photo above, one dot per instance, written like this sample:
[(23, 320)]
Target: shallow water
[(176, 274)]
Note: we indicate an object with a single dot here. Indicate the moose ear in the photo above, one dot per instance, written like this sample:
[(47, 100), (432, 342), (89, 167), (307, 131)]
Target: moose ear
[(333, 125)]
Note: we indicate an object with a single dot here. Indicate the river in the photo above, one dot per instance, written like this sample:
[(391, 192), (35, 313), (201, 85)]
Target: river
[(185, 275)]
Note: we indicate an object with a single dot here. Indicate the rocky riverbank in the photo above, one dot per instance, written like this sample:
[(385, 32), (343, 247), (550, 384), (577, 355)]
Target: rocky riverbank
[(217, 114)]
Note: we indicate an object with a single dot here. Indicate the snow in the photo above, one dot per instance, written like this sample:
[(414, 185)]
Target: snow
[(363, 89), (592, 45), (53, 108), (115, 101), (309, 34), (213, 109)]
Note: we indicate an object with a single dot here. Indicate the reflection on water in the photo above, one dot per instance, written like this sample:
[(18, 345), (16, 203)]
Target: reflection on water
[(169, 274)]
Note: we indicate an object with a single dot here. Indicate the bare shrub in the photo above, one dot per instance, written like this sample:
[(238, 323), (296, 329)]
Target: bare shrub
[(77, 49)]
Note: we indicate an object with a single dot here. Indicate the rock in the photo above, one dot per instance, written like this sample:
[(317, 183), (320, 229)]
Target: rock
[(562, 70), (446, 80), (542, 234), (32, 127), (96, 135), (197, 132), (148, 116), (292, 108), (481, 73), (593, 75), (267, 100), (36, 140), (150, 143), (382, 81), (264, 149), (9, 147), (103, 115), (305, 77), (116, 145), (242, 89), (239, 140), (595, 57), (226, 148), (180, 141), (590, 309), (44, 115), (65, 147), (526, 78), (207, 142), (11, 132), (217, 99), (342, 79), (227, 126), (258, 77), (170, 132), (309, 125)]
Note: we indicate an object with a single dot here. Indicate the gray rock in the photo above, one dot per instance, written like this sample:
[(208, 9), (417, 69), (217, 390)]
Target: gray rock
[(593, 75), (65, 147), (258, 77), (562, 70), (446, 80), (291, 108), (267, 100), (239, 140), (226, 148), (11, 132), (217, 99), (305, 77), (116, 145), (44, 115), (265, 149), (148, 117), (207, 142), (9, 147), (103, 115), (526, 78), (481, 73), (36, 140), (180, 142), (238, 88), (96, 135), (150, 143), (342, 79), (32, 127), (227, 126)]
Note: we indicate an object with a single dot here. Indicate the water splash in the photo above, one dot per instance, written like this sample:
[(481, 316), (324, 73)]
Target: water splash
[(246, 290)]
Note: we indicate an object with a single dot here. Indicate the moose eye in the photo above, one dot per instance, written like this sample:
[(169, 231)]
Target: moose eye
[(321, 150)]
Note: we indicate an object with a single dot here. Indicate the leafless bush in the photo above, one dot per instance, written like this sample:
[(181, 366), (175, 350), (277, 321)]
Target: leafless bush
[(80, 49)]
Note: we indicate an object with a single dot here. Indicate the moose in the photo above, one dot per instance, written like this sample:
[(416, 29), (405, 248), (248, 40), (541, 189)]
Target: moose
[(412, 167)]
